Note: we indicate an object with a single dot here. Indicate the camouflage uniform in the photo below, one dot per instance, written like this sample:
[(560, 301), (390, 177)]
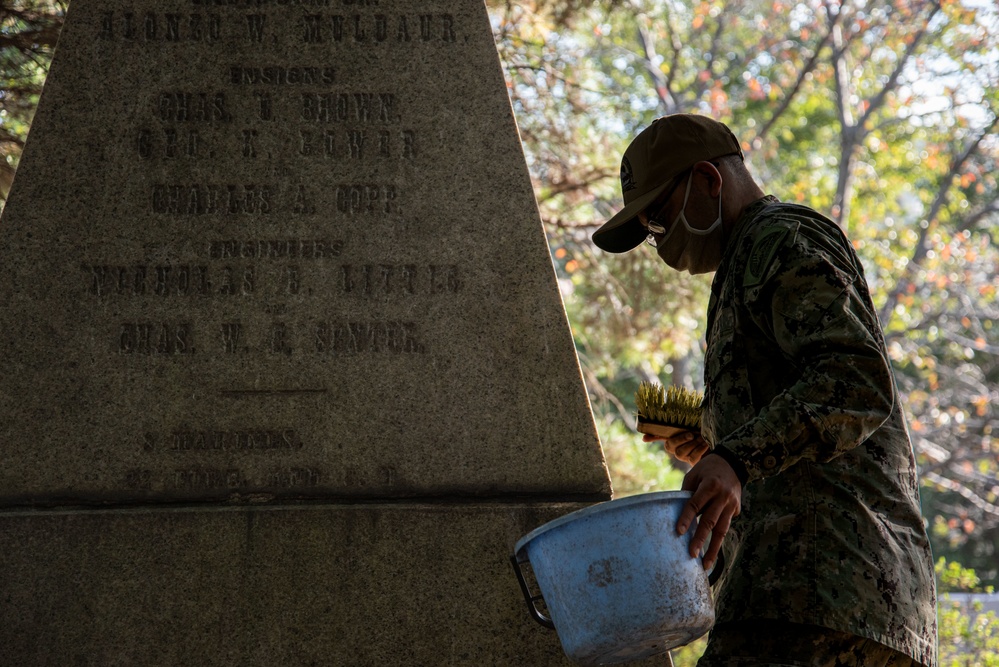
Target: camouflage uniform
[(800, 397)]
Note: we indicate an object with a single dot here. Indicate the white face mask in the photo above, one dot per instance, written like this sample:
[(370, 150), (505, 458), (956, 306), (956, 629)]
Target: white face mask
[(691, 249)]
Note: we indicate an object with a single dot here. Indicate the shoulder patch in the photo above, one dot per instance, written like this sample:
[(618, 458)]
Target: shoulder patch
[(762, 255)]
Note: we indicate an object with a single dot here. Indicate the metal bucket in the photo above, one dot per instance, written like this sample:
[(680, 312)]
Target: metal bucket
[(618, 582)]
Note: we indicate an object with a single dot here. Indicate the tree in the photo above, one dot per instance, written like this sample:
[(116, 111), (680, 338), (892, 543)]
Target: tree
[(968, 635), (881, 113), (29, 30)]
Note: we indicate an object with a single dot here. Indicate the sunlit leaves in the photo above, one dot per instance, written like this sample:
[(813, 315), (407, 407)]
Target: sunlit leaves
[(889, 104), (29, 30)]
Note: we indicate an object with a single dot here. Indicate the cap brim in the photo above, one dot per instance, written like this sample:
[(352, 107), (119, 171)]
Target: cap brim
[(624, 232)]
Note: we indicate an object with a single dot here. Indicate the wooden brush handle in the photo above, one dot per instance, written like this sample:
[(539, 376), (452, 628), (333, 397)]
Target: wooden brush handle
[(659, 430)]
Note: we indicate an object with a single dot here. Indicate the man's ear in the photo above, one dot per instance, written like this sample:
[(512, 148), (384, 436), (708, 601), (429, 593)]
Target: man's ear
[(713, 176)]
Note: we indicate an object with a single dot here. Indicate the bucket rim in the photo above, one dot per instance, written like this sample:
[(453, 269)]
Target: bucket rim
[(618, 503)]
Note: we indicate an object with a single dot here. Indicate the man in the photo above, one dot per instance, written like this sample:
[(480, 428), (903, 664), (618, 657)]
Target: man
[(803, 473)]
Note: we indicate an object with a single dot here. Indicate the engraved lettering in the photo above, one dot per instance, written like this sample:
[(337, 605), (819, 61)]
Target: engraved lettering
[(279, 338), (255, 27), (145, 144), (231, 332), (169, 143), (295, 478), (169, 280), (166, 27), (356, 279), (358, 199), (150, 26), (281, 76), (264, 106), (408, 144), (193, 143), (303, 202), (384, 143), (348, 107), (146, 338), (352, 338), (444, 279), (185, 439), (237, 282), (381, 27), (107, 25), (172, 27), (384, 279), (448, 34), (312, 24), (162, 280), (183, 107), (364, 29), (195, 27), (207, 479), (249, 143), (211, 199), (292, 282), (337, 28), (362, 103), (276, 249), (355, 143), (139, 480)]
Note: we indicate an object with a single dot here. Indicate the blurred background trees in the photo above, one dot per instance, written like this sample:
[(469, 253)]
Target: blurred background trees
[(29, 30), (880, 113)]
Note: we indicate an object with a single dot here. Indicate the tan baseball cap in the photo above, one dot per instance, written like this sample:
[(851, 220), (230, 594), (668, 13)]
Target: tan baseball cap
[(661, 152)]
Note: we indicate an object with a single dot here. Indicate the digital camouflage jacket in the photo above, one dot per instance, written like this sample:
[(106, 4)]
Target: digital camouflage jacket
[(799, 394)]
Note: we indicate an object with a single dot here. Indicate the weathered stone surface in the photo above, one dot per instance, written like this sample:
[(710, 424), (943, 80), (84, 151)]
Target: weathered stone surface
[(336, 586), (278, 316), (279, 249)]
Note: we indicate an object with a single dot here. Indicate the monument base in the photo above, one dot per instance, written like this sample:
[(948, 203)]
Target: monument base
[(318, 585)]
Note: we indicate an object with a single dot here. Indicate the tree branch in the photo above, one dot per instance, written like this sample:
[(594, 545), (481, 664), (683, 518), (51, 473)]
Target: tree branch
[(943, 193), (802, 76), (661, 82), (876, 102)]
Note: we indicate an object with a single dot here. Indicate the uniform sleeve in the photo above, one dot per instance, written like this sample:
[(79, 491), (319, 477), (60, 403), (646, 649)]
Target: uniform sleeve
[(812, 302)]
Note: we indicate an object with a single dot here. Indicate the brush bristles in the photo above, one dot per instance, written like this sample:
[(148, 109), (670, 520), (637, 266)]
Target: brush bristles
[(675, 406)]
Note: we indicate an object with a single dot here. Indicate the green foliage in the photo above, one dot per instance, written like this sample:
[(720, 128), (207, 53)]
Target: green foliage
[(882, 114), (687, 656), (636, 466), (29, 30), (968, 635)]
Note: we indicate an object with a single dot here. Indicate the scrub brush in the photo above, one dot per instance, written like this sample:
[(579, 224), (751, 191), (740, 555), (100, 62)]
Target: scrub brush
[(665, 412)]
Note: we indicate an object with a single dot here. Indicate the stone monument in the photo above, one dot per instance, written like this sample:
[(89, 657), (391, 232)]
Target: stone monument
[(285, 370)]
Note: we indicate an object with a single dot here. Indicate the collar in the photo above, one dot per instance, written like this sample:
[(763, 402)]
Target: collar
[(750, 214)]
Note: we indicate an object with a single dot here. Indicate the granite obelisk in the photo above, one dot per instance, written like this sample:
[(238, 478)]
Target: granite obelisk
[(285, 367)]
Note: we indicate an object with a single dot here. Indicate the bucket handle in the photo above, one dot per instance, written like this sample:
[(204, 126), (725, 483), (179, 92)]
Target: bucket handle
[(531, 599)]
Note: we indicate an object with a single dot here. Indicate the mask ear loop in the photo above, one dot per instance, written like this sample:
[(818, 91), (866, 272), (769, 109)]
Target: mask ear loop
[(680, 217), (683, 218)]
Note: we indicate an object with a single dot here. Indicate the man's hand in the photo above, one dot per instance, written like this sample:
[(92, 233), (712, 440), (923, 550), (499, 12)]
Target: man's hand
[(685, 445), (716, 499)]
